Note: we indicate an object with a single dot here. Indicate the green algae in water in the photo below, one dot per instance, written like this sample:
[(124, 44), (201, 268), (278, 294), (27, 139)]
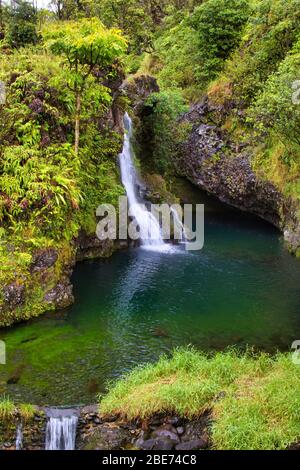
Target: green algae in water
[(241, 289)]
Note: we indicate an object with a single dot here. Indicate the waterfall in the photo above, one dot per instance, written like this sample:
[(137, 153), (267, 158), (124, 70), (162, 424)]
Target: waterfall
[(61, 429), (19, 437), (149, 227)]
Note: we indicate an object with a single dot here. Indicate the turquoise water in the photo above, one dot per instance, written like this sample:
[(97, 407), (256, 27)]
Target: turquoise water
[(241, 289)]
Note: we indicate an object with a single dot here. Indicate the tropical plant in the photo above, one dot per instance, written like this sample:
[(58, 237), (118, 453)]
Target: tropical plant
[(85, 45)]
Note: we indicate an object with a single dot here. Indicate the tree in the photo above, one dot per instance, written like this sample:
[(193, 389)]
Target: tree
[(74, 9), (219, 25), (22, 25), (86, 45)]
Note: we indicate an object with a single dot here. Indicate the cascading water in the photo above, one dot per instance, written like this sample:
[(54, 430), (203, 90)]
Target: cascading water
[(149, 227), (19, 437), (61, 429)]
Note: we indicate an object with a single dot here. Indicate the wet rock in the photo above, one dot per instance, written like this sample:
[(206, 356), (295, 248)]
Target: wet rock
[(139, 89), (180, 430), (90, 247), (106, 437), (16, 375), (292, 237), (14, 295), (61, 295), (197, 429), (167, 431), (157, 444), (196, 444), (36, 106), (211, 161), (175, 421), (44, 259)]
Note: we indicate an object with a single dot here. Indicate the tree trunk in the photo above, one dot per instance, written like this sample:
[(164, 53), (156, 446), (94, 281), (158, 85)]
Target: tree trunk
[(77, 121)]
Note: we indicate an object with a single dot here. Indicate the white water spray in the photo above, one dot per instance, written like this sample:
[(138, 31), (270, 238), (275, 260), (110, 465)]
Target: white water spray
[(61, 429)]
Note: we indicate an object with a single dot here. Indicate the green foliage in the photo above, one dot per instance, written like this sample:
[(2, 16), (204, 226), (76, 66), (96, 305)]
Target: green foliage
[(133, 17), (276, 113), (275, 109), (8, 410), (270, 33), (47, 192), (86, 42), (177, 52), (85, 45), (160, 124), (219, 25), (39, 189), (258, 400), (22, 25)]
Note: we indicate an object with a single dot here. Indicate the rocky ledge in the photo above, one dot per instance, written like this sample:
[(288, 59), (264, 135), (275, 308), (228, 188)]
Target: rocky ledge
[(160, 432), (46, 285), (211, 161), (110, 432)]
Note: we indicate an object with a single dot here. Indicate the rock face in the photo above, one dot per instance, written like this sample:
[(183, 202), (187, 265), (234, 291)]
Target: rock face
[(212, 162), (90, 247), (33, 431), (138, 90), (47, 286), (14, 294), (110, 432)]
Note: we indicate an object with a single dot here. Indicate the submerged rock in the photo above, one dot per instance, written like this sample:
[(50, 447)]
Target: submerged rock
[(61, 295)]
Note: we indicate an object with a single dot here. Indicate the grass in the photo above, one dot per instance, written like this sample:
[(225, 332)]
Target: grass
[(7, 409), (254, 400), (27, 412)]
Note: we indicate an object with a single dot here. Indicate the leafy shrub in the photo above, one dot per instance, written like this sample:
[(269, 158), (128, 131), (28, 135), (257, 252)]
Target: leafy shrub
[(219, 25), (164, 133), (270, 33), (22, 25)]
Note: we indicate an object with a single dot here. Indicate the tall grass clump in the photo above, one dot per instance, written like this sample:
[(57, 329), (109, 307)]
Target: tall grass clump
[(7, 409)]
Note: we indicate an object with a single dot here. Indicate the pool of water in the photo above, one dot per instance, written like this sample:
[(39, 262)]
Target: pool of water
[(241, 289)]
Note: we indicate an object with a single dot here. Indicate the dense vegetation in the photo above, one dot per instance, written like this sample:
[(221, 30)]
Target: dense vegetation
[(60, 137), (52, 180), (245, 56), (62, 68), (253, 400)]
